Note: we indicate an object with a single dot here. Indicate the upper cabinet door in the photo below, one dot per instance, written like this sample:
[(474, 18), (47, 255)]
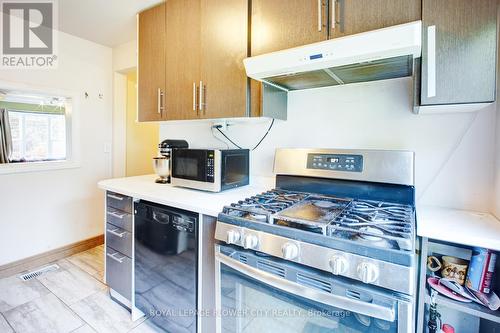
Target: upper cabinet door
[(349, 17), (458, 51), (282, 24), (151, 64), (182, 59), (222, 90)]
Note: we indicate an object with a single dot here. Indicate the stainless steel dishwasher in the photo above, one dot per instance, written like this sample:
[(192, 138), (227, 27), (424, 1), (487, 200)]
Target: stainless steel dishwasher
[(165, 266)]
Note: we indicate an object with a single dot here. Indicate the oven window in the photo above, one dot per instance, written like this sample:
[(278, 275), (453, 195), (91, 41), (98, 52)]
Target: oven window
[(248, 306), (235, 168)]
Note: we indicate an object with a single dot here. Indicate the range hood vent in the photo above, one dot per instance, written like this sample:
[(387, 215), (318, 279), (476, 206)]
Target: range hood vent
[(376, 55), (363, 72)]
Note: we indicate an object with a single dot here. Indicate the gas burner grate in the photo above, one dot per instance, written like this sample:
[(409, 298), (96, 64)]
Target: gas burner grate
[(261, 206), (383, 224), (283, 196)]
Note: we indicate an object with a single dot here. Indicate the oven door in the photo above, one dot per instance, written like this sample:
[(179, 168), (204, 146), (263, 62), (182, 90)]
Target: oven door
[(190, 164), (251, 300)]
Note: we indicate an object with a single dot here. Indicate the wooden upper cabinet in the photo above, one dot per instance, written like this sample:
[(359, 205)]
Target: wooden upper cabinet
[(458, 51), (151, 63), (182, 58), (348, 17), (282, 24), (224, 45)]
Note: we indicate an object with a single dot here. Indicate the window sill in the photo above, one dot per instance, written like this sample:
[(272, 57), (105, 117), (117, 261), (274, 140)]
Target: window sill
[(12, 168)]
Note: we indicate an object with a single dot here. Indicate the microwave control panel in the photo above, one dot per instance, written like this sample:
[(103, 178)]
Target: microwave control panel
[(335, 162), (210, 166)]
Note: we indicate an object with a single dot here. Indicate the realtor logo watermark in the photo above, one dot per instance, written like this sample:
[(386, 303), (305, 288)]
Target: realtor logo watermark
[(29, 35)]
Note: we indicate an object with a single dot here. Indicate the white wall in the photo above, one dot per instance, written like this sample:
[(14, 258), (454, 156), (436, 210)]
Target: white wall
[(454, 152), (41, 211), (124, 61), (125, 56)]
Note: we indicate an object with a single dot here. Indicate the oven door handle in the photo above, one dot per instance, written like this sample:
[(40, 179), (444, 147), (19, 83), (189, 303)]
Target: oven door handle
[(342, 302)]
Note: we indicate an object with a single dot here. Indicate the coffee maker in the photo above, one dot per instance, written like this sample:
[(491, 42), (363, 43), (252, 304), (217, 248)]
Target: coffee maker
[(163, 164)]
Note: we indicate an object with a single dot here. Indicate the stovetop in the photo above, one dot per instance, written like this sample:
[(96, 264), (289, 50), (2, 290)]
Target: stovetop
[(369, 223)]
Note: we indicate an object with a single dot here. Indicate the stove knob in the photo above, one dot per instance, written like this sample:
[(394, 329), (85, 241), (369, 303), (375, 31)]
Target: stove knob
[(368, 272), (290, 251), (232, 237), (339, 264), (250, 242)]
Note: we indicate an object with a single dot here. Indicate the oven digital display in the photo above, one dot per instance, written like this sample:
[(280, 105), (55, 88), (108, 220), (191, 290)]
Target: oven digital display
[(335, 162)]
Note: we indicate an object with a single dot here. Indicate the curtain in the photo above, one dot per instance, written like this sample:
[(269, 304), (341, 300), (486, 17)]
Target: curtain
[(5, 137)]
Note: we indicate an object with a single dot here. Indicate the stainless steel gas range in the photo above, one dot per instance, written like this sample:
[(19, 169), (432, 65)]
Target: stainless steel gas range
[(330, 249)]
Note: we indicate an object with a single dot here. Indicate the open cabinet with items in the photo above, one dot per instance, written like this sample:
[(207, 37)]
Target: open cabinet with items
[(458, 288)]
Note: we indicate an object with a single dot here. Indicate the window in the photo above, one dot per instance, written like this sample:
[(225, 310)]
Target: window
[(37, 136), (38, 127)]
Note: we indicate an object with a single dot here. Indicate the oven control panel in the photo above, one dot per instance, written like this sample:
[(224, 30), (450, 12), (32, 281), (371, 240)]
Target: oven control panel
[(335, 162)]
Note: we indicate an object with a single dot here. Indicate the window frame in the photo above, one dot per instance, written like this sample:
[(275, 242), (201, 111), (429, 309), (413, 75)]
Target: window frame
[(72, 132)]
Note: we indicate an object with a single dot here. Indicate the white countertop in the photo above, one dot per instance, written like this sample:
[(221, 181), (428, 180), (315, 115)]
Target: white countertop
[(459, 226), (208, 203), (445, 224)]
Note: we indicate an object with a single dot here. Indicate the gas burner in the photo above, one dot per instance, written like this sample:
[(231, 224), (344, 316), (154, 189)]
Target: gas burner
[(369, 233), (256, 217), (372, 236)]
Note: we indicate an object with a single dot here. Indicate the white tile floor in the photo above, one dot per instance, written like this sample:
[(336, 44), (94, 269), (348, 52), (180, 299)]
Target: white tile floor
[(70, 299)]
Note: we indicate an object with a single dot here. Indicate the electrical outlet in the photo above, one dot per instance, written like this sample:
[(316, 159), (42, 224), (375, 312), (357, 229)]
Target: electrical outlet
[(221, 124)]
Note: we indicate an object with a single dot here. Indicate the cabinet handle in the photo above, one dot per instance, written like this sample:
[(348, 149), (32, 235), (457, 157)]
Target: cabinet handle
[(431, 61), (118, 216), (160, 104), (320, 15), (202, 97), (195, 109), (341, 18), (112, 196), (117, 234), (334, 19), (112, 256)]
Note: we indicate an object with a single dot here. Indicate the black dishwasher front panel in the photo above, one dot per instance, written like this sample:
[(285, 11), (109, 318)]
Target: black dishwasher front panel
[(166, 247)]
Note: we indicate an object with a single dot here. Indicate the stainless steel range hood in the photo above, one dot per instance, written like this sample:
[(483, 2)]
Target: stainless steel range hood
[(375, 55)]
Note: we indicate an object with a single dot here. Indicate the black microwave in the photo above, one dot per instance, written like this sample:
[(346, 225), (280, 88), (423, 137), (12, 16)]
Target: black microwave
[(212, 170)]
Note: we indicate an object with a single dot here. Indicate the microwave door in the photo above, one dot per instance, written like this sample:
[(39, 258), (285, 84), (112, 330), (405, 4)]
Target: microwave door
[(190, 164)]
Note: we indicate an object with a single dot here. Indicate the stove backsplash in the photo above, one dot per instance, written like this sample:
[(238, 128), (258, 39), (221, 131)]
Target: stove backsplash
[(374, 116)]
